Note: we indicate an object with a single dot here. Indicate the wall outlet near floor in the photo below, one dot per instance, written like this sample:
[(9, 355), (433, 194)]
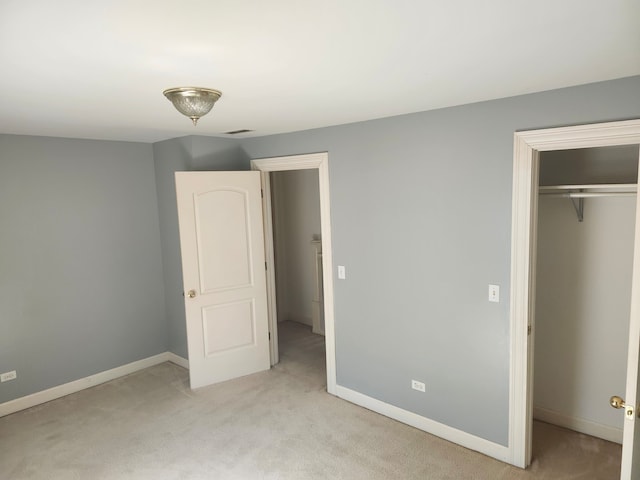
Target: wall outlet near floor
[(416, 385), (5, 377)]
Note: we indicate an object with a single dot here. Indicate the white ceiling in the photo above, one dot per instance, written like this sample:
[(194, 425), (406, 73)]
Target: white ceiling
[(97, 69)]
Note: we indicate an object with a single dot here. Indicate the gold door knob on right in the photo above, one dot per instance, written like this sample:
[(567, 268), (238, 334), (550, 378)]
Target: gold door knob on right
[(616, 402), (191, 293)]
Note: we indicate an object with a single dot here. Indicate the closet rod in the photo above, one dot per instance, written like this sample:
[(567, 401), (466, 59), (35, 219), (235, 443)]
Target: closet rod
[(589, 194), (577, 193), (620, 187)]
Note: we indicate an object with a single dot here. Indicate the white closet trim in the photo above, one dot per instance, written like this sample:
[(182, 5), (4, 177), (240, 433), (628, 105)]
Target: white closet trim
[(526, 159)]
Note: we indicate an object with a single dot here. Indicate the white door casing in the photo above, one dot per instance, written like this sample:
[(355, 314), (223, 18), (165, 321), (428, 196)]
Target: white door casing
[(222, 246), (527, 146), (319, 161)]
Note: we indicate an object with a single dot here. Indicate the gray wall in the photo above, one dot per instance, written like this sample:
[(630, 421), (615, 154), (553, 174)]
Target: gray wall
[(296, 221), (80, 267), (170, 156), (421, 218)]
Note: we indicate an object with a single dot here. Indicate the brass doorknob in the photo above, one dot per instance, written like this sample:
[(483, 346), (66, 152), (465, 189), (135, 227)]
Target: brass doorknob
[(616, 402), (191, 293)]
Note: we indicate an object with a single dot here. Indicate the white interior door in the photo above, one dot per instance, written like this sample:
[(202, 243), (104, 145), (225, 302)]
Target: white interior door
[(631, 433), (222, 245)]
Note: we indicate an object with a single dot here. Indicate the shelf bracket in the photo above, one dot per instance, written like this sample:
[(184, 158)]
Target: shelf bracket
[(578, 204)]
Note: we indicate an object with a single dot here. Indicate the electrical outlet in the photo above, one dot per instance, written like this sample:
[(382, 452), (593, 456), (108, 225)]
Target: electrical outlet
[(416, 385), (5, 377)]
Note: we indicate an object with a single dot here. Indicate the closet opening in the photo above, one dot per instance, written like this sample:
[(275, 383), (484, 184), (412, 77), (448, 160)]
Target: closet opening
[(529, 146), (586, 219)]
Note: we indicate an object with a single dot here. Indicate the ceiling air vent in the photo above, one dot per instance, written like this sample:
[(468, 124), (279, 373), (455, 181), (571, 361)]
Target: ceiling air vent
[(235, 132)]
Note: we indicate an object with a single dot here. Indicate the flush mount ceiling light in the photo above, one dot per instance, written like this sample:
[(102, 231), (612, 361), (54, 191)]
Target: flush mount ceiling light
[(194, 102)]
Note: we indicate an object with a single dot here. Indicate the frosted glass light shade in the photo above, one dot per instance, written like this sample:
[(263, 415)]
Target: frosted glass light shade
[(194, 102)]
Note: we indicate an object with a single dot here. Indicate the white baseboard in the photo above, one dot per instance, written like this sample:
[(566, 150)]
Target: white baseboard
[(581, 425), (44, 396), (451, 434), (178, 360)]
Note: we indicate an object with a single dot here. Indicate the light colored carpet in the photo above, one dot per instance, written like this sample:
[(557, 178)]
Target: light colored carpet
[(279, 424)]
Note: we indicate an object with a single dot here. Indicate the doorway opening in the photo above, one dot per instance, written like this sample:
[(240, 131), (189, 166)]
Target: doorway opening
[(324, 304), (295, 201), (527, 156), (583, 275)]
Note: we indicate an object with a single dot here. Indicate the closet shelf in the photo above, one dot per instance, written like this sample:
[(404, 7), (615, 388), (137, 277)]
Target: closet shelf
[(577, 193)]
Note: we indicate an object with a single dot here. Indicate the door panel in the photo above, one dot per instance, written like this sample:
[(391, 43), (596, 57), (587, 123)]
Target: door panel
[(222, 245), (228, 207), (631, 433), (228, 326)]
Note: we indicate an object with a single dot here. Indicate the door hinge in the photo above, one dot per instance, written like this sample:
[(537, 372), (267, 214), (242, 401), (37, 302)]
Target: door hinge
[(265, 265), (529, 330), (261, 193), (269, 335)]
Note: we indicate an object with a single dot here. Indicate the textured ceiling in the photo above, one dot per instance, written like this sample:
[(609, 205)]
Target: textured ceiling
[(92, 69)]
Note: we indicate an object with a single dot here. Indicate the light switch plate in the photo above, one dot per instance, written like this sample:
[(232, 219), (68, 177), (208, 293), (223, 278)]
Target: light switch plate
[(341, 272), (494, 293)]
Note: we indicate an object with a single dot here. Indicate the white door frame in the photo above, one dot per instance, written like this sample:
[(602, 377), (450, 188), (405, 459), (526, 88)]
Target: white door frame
[(527, 146), (319, 161)]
